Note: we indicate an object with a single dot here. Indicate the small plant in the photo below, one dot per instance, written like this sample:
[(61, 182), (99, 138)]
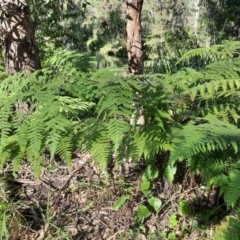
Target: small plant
[(10, 218), (229, 229), (153, 204)]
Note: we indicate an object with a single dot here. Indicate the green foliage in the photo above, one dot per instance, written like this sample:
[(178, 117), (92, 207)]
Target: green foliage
[(190, 108), (156, 203), (165, 54), (214, 53), (151, 172), (38, 114), (206, 104), (119, 202), (172, 221), (143, 212), (221, 19), (4, 212), (229, 230), (184, 208), (191, 115), (209, 136), (108, 30), (59, 23), (61, 108)]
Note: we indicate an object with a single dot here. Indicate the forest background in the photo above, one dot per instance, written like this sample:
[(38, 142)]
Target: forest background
[(91, 151)]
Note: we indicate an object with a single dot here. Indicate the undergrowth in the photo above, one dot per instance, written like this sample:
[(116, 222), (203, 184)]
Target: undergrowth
[(191, 115)]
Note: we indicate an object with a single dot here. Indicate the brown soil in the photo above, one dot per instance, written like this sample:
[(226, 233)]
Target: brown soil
[(77, 204)]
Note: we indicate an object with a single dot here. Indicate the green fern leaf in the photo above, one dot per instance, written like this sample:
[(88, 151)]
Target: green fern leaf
[(116, 129), (64, 149)]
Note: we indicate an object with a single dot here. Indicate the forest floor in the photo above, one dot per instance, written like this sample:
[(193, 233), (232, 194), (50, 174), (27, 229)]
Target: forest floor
[(78, 204)]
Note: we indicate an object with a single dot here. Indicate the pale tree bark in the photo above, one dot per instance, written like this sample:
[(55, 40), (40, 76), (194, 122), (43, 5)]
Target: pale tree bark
[(17, 36), (133, 36), (197, 14)]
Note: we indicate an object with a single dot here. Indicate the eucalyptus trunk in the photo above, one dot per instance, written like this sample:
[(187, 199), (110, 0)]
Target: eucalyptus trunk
[(197, 15), (17, 36), (133, 36)]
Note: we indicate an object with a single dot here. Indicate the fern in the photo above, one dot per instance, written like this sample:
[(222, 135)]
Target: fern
[(116, 129), (101, 150), (115, 107), (231, 229), (5, 125), (210, 99), (64, 149), (206, 135), (193, 114), (55, 106), (116, 98), (55, 128), (214, 53)]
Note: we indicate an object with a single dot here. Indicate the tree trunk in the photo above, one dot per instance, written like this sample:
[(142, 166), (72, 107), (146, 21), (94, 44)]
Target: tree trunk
[(17, 35), (133, 36), (197, 15)]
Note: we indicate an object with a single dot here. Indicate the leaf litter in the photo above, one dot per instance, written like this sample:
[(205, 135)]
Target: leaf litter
[(81, 204)]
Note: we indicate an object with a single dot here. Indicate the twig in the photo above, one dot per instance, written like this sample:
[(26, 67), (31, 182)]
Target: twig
[(62, 188), (174, 196), (114, 235)]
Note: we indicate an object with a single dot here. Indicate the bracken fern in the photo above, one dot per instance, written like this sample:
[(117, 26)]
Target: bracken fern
[(37, 113)]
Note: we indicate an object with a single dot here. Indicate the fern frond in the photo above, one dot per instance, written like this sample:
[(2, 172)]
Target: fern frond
[(223, 69), (5, 124), (225, 111), (231, 230), (116, 129), (213, 53), (128, 149), (9, 149), (69, 104), (232, 192), (16, 161), (63, 57), (216, 167), (147, 141), (35, 135), (196, 138), (93, 137), (57, 100), (56, 128), (214, 89), (101, 150), (115, 100), (64, 150)]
